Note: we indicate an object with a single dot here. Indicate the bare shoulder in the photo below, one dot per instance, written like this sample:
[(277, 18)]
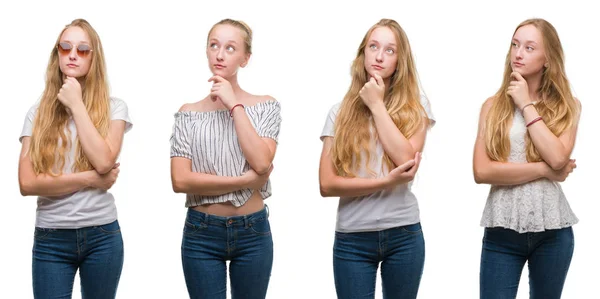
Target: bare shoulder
[(257, 99), (197, 106), (487, 105)]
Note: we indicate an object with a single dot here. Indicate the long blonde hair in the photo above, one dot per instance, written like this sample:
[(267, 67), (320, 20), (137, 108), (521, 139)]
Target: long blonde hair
[(49, 139), (557, 106), (402, 101)]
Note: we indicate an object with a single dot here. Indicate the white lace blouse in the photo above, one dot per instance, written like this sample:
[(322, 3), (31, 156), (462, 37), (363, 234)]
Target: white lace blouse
[(531, 207)]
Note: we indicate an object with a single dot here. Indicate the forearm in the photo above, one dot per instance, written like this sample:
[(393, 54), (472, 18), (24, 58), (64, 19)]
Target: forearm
[(255, 149), (94, 146), (206, 184), (394, 143), (548, 145), (337, 186), (506, 173), (49, 186)]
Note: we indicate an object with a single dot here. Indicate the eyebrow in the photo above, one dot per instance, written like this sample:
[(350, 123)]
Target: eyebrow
[(70, 42), (376, 41), (527, 41), (216, 40)]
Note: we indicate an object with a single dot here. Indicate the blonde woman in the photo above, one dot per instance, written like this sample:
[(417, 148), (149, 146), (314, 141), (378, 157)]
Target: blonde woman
[(222, 148), (526, 135), (372, 144), (71, 140)]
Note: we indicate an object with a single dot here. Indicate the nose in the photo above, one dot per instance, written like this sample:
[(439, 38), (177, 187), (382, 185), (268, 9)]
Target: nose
[(73, 54), (220, 54), (519, 53), (379, 56)]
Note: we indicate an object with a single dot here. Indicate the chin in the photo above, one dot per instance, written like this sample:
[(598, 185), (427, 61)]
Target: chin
[(72, 73)]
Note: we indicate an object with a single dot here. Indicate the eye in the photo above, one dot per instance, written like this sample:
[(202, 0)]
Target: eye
[(213, 46), (514, 44), (230, 48), (65, 46), (373, 46), (83, 47), (529, 48), (390, 51)]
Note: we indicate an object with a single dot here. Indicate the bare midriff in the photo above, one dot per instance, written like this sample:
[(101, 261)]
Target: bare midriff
[(254, 204)]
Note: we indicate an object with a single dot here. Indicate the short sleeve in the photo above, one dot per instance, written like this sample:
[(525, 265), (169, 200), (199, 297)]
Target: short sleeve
[(28, 123), (269, 120), (427, 106), (328, 128), (120, 111), (180, 141)]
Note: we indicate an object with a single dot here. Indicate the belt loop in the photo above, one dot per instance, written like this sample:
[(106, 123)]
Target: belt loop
[(205, 219), (246, 221), (267, 208)]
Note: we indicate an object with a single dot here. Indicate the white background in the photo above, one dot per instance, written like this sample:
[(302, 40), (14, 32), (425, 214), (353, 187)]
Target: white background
[(302, 55)]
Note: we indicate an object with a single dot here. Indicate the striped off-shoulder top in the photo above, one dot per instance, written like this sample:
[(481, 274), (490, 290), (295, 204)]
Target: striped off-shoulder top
[(209, 139)]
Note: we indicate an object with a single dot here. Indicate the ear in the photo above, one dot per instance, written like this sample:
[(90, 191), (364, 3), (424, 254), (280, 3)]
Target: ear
[(246, 60)]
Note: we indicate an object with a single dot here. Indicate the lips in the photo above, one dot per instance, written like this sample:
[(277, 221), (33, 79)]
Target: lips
[(517, 64), (219, 66), (72, 65), (377, 67)]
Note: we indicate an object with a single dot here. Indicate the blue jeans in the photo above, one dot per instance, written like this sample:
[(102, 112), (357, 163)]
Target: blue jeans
[(209, 241), (356, 257), (505, 252), (97, 252)]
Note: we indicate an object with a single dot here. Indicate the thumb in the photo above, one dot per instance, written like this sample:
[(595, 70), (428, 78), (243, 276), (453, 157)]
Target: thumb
[(406, 165)]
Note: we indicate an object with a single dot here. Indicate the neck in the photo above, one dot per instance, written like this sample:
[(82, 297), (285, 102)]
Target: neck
[(534, 81), (233, 80)]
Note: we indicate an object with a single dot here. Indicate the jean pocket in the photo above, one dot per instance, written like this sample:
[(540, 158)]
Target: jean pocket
[(110, 228), (191, 229), (42, 233), (413, 228), (261, 227)]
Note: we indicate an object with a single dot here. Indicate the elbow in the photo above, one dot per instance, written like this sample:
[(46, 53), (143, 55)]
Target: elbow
[(559, 162), (178, 185), (263, 169), (25, 188), (325, 189), (479, 176), (104, 168)]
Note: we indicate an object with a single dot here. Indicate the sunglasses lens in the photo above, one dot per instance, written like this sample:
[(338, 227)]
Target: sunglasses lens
[(83, 50), (64, 48)]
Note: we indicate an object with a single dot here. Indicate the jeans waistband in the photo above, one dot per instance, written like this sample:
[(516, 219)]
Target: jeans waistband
[(196, 217)]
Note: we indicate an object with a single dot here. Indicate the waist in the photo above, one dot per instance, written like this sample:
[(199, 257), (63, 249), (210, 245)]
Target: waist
[(197, 217), (254, 204)]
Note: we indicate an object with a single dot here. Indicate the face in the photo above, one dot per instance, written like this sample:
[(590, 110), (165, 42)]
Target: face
[(380, 53), (74, 52), (527, 54), (226, 50)]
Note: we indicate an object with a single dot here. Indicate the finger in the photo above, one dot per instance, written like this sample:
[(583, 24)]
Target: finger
[(414, 169), (117, 165), (378, 80), (373, 81), (408, 164), (216, 79), (517, 76)]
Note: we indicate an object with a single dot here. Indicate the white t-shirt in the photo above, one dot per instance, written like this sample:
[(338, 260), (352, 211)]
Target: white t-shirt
[(383, 209), (87, 207)]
